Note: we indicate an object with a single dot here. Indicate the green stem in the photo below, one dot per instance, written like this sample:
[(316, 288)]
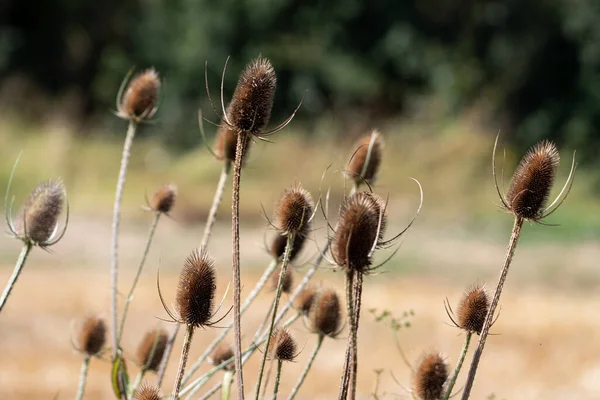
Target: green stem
[(307, 368), (348, 359), (461, 358), (212, 215), (83, 377), (16, 272), (185, 352), (114, 259), (277, 379), (226, 385)]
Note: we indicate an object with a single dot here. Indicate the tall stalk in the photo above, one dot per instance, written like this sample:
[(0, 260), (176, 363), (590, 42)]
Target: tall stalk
[(358, 283), (185, 352), (461, 359), (277, 380), (349, 356), (83, 377), (307, 368), (27, 246)]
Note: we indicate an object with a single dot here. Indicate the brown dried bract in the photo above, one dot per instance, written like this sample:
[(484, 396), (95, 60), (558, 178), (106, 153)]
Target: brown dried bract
[(368, 147), (163, 199), (151, 349), (293, 211), (282, 345), (325, 315), (222, 353), (92, 336), (430, 377), (141, 97), (473, 308)]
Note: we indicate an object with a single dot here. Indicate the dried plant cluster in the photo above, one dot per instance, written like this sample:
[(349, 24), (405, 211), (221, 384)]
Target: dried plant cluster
[(354, 242)]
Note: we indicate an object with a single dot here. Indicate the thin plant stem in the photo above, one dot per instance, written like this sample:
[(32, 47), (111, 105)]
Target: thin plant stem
[(168, 350), (348, 359), (212, 215), (286, 259), (27, 246), (138, 273), (226, 385), (185, 352), (145, 367), (114, 259), (268, 376), (309, 364), (83, 377), (461, 358), (242, 138), (358, 283), (277, 379), (512, 245)]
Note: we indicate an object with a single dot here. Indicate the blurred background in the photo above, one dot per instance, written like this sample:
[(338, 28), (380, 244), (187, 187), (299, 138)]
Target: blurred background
[(438, 78)]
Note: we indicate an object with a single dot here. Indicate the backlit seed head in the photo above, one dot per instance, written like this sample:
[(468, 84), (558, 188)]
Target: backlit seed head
[(164, 199), (303, 302), (532, 181), (226, 144), (430, 377), (473, 309), (222, 353), (358, 229), (252, 101), (288, 280), (196, 289), (140, 100), (293, 211), (92, 336), (279, 242), (369, 148), (282, 345), (39, 220), (156, 340), (325, 315), (147, 392)]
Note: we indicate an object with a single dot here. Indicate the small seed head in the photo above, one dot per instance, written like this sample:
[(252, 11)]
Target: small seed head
[(288, 280), (473, 309), (92, 336), (325, 315), (141, 97), (42, 208), (293, 211), (222, 353), (430, 377), (279, 242), (303, 302), (282, 345), (147, 392), (155, 339), (368, 147), (226, 144), (164, 199)]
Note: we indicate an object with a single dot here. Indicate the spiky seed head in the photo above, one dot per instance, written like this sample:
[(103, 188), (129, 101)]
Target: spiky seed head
[(430, 377), (303, 302), (154, 339), (196, 289), (92, 335), (141, 97), (325, 315), (163, 199), (532, 181), (250, 108), (39, 219), (226, 144), (358, 229), (369, 146), (282, 345), (288, 280), (293, 211), (222, 353), (473, 309), (279, 242), (147, 392)]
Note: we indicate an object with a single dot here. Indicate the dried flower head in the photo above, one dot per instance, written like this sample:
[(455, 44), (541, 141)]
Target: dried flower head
[(282, 345), (252, 101), (147, 392), (325, 315), (164, 199), (196, 289), (226, 144), (222, 353), (361, 225), (279, 242), (140, 100), (288, 280), (151, 349), (430, 377), (473, 308), (303, 302), (366, 159), (293, 211), (92, 336), (39, 219)]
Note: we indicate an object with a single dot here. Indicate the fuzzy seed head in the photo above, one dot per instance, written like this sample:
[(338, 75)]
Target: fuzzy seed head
[(92, 336), (42, 208), (325, 315), (155, 339), (222, 353), (293, 211), (532, 181), (370, 147), (226, 144), (282, 345), (147, 392), (279, 242), (196, 289), (252, 101), (141, 97), (164, 199), (473, 309), (358, 228), (303, 302), (288, 280), (430, 377)]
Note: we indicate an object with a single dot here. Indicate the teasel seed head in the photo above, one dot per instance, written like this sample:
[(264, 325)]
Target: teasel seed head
[(325, 315), (288, 280), (156, 340), (250, 108), (369, 148), (304, 301), (473, 308), (293, 211), (92, 336), (222, 353), (359, 227), (163, 199), (39, 219), (196, 289), (532, 181), (226, 144), (139, 102), (147, 392), (282, 346), (279, 242), (430, 377)]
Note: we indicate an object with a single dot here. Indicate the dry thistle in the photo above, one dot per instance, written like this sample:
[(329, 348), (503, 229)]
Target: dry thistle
[(430, 377), (222, 353), (225, 144), (288, 280), (92, 336), (41, 210), (303, 302), (147, 392), (139, 102), (151, 349), (282, 346), (325, 315), (279, 242), (294, 211), (366, 159), (164, 199), (473, 309)]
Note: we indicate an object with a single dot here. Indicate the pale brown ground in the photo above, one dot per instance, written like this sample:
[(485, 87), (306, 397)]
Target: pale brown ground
[(545, 347)]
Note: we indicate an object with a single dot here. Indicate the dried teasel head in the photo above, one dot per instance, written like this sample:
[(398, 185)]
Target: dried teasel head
[(147, 392), (430, 377), (366, 159), (303, 302), (92, 336), (360, 229), (163, 199), (282, 346), (294, 211), (279, 242), (288, 280), (139, 102), (151, 349), (222, 353), (473, 308), (325, 314), (226, 144), (250, 107)]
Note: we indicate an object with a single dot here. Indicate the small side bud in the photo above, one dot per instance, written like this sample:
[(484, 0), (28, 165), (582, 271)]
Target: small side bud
[(141, 97), (151, 349), (366, 159), (293, 211), (430, 377), (222, 353), (196, 289), (92, 336), (163, 199), (282, 346)]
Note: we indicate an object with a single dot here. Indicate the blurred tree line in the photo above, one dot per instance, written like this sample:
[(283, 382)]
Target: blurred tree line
[(534, 67)]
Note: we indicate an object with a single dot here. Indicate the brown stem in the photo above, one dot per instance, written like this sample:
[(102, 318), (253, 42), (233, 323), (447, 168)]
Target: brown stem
[(185, 352), (512, 245), (348, 359), (357, 303)]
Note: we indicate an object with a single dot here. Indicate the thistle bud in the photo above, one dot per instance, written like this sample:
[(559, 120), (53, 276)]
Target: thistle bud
[(147, 392), (282, 346), (473, 308), (196, 289), (366, 159), (430, 377), (151, 349), (164, 199), (303, 302), (92, 336), (141, 97), (222, 353), (325, 315), (41, 211), (293, 211)]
